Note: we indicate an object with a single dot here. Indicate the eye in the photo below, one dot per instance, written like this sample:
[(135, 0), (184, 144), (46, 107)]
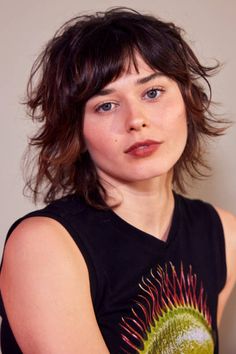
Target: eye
[(106, 107), (153, 93)]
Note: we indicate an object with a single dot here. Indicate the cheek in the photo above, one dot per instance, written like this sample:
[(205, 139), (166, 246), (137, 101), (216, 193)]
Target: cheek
[(92, 135), (180, 123), (176, 122), (99, 136), (177, 129), (98, 142)]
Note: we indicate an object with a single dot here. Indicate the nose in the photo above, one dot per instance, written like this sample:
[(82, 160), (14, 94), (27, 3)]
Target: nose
[(136, 124), (136, 120)]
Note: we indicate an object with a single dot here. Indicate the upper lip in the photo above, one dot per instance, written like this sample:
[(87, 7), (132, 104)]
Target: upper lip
[(141, 143)]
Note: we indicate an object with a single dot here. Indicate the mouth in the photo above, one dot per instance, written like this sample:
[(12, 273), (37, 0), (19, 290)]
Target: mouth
[(143, 148)]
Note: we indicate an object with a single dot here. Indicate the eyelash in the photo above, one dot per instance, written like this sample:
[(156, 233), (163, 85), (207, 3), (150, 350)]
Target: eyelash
[(156, 89), (99, 108)]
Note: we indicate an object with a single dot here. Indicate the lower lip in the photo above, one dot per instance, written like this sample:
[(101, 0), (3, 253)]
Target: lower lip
[(144, 151)]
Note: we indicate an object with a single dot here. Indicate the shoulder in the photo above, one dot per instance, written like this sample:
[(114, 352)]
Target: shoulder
[(67, 205), (44, 233), (44, 280), (37, 242), (50, 222), (228, 221), (37, 230), (229, 226), (43, 241), (200, 211)]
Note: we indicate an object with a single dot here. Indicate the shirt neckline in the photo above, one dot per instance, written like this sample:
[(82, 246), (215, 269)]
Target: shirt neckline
[(128, 229)]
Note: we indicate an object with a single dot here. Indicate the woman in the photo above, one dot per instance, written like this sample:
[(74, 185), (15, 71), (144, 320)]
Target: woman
[(118, 261)]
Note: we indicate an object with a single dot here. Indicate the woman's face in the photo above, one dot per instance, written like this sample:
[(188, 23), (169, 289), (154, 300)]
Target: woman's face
[(135, 128)]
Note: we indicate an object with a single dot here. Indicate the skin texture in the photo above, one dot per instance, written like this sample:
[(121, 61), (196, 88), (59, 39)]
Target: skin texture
[(127, 112), (48, 301), (229, 226), (137, 107), (41, 259)]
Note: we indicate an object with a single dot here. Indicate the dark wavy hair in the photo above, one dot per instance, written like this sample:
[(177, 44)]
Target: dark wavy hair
[(86, 54)]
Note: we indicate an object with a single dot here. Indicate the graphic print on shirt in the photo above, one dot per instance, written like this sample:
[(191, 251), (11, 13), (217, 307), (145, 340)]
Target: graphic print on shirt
[(170, 315)]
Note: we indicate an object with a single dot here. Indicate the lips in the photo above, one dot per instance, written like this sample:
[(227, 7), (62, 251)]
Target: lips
[(143, 148)]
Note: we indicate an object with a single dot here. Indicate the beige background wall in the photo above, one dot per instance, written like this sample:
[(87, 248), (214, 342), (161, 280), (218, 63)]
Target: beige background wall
[(27, 24)]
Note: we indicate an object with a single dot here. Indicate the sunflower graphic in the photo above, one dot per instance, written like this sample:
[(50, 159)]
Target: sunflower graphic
[(170, 315)]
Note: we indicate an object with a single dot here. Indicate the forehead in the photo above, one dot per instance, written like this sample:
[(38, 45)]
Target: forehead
[(128, 68), (136, 65), (136, 70)]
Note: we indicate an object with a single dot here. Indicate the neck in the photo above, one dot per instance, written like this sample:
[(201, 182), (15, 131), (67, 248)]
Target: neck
[(147, 205)]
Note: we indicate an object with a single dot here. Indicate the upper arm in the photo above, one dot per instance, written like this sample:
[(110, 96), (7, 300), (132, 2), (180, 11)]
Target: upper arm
[(229, 225), (46, 292)]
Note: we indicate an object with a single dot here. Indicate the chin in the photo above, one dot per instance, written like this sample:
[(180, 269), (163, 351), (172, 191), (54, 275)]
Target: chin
[(148, 177), (146, 174)]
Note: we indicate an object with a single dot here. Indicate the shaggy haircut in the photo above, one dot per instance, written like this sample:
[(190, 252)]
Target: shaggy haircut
[(86, 54)]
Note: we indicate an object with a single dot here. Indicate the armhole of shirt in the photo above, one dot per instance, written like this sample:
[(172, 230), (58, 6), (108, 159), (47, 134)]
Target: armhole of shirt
[(219, 250), (76, 238)]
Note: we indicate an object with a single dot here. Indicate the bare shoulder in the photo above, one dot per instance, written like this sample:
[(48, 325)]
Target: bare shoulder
[(46, 290), (38, 245), (229, 225), (37, 237), (228, 220)]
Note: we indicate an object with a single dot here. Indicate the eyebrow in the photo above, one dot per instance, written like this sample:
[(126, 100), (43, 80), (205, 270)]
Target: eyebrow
[(143, 80), (148, 78)]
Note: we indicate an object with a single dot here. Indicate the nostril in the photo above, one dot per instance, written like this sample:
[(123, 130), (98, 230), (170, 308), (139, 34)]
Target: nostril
[(143, 125), (137, 124)]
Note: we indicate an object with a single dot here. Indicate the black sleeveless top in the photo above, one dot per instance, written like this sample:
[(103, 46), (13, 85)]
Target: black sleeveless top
[(149, 296)]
